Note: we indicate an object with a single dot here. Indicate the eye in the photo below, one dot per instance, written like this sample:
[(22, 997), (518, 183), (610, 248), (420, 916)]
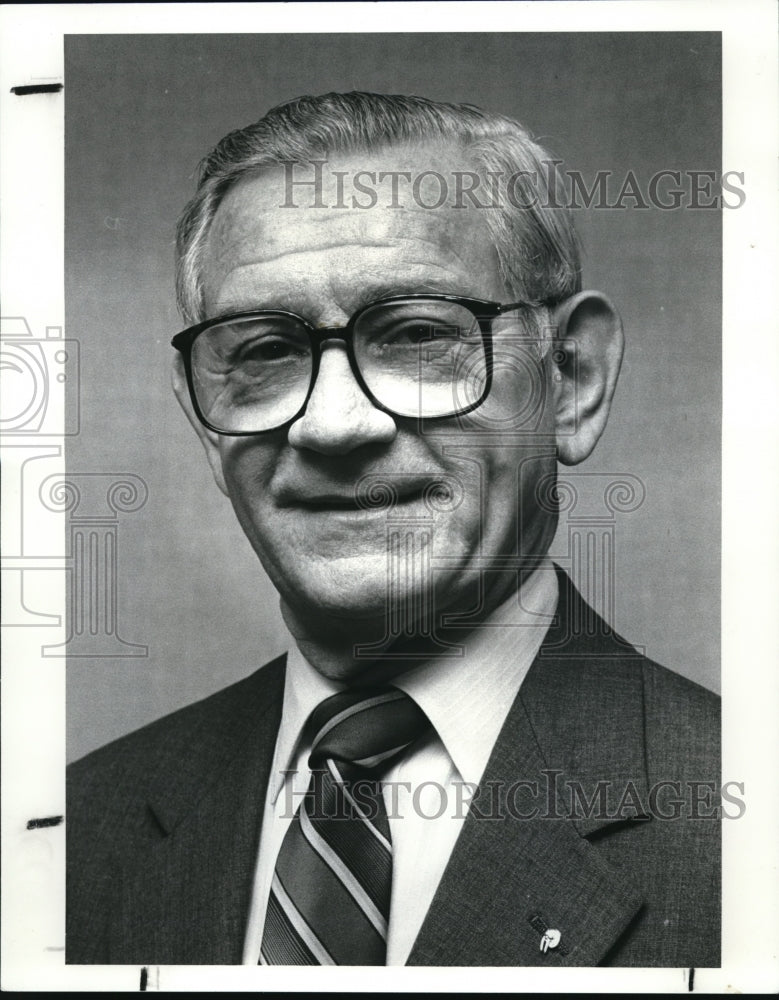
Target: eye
[(269, 349), (413, 331), (417, 331), (255, 343)]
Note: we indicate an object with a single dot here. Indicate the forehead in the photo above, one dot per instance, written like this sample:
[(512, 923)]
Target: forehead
[(277, 235)]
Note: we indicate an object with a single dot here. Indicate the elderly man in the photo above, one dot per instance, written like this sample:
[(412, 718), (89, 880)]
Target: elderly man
[(457, 762)]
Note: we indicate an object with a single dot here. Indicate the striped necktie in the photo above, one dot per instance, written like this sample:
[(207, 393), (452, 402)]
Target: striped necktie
[(330, 896)]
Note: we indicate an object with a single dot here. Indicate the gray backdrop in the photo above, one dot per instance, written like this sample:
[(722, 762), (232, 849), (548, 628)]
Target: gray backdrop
[(140, 113)]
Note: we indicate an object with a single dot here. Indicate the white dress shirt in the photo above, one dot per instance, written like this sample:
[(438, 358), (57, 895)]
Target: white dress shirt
[(427, 792)]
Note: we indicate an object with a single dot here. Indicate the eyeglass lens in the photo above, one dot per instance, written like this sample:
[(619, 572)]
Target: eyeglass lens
[(417, 358)]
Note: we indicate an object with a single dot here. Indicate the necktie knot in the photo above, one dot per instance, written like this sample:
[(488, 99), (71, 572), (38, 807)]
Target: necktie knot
[(365, 729)]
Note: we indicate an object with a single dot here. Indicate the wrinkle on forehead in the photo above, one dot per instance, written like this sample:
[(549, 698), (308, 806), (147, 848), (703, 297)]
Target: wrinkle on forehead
[(245, 230), (253, 234)]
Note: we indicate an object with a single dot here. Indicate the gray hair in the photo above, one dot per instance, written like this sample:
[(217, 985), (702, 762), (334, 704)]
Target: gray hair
[(535, 240)]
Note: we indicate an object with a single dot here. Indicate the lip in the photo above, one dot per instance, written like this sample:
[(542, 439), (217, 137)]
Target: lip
[(328, 501), (347, 504), (367, 494)]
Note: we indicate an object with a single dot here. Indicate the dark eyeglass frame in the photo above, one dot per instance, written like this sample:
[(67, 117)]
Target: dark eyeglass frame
[(483, 311)]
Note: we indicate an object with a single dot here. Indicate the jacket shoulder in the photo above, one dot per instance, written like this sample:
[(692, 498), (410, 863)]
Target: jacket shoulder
[(682, 721), (587, 663), (118, 774)]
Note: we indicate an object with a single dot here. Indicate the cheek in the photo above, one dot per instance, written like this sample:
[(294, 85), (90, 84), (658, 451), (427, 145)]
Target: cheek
[(484, 501), (500, 511), (519, 414), (500, 504), (520, 399), (248, 468)]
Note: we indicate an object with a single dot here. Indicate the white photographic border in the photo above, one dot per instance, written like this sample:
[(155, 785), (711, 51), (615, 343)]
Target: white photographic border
[(31, 276)]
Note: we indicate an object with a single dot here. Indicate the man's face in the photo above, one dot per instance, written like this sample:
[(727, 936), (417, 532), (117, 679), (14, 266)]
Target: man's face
[(293, 489)]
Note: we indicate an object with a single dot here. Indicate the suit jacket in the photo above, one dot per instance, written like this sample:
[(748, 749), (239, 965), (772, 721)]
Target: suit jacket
[(163, 825)]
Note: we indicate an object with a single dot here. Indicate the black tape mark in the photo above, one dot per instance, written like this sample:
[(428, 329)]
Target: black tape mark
[(37, 88), (36, 824), (144, 978), (691, 981)]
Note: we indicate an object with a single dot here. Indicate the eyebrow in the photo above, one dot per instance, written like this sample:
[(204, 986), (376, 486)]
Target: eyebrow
[(368, 294), (386, 290)]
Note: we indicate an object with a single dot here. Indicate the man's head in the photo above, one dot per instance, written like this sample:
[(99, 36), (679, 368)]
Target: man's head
[(468, 508)]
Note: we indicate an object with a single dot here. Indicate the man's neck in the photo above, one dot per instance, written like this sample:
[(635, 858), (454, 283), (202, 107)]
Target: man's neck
[(337, 648)]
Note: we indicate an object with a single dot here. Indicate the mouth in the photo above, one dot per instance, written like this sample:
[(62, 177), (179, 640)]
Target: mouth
[(353, 503), (376, 493), (372, 493), (328, 503)]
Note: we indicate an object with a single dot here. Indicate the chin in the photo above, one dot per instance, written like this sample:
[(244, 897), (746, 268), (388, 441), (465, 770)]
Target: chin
[(343, 599), (356, 604)]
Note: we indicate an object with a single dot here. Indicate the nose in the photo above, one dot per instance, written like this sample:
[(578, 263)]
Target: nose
[(339, 417)]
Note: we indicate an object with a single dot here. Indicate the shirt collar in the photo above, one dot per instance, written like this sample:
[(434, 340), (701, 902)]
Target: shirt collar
[(466, 697), (304, 689)]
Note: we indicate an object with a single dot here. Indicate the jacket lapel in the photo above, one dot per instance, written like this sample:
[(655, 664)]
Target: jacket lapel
[(186, 900), (523, 862)]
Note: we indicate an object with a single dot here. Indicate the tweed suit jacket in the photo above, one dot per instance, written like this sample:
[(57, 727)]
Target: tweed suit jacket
[(573, 827)]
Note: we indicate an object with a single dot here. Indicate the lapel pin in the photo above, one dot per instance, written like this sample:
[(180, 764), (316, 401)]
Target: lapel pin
[(551, 937)]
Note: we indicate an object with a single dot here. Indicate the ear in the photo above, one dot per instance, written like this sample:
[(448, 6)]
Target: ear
[(208, 439), (588, 362)]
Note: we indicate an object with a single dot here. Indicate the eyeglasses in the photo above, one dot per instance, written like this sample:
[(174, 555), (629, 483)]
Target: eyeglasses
[(418, 356)]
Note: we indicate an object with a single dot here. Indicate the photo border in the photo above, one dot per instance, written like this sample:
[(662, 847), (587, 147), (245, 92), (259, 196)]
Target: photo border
[(33, 714)]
